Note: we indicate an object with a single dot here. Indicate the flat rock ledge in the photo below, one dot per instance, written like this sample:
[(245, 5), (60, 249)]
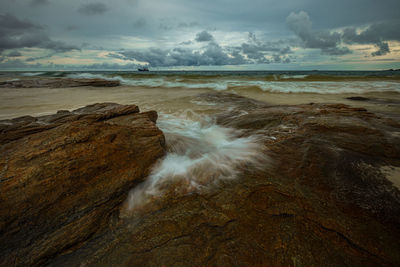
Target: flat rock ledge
[(63, 176)]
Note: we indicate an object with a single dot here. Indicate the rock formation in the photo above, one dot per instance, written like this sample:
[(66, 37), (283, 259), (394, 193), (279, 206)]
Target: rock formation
[(63, 177), (322, 201)]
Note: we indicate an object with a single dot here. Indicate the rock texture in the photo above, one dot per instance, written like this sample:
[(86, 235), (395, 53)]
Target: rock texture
[(322, 201), (57, 83), (63, 177)]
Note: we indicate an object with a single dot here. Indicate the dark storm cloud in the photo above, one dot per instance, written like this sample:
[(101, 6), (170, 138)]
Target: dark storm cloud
[(331, 42), (204, 36), (14, 54), (140, 23), (18, 64), (376, 33), (213, 54), (71, 28), (258, 51), (10, 24), (168, 24), (93, 9), (337, 26), (186, 43), (383, 49), (39, 2), (188, 25), (328, 42), (31, 59), (16, 33)]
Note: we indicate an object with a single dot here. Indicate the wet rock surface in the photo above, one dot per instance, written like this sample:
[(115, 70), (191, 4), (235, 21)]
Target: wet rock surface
[(63, 176), (57, 83), (321, 199)]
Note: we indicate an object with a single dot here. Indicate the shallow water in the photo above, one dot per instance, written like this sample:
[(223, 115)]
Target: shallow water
[(170, 92)]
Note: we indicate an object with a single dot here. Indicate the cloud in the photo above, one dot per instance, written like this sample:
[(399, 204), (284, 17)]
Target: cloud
[(331, 42), (70, 28), (376, 33), (10, 24), (16, 33), (204, 36), (186, 43), (93, 9), (212, 54), (258, 51), (383, 49), (14, 54), (140, 23), (31, 59), (39, 2), (188, 25), (167, 24), (328, 42), (17, 64)]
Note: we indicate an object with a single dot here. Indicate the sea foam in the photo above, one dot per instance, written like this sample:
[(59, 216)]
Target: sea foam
[(199, 155), (281, 86)]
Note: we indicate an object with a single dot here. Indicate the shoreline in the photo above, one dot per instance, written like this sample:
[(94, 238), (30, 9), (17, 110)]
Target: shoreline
[(70, 93)]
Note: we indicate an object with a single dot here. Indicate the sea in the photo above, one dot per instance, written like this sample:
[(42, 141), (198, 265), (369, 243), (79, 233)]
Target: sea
[(197, 147), (172, 91)]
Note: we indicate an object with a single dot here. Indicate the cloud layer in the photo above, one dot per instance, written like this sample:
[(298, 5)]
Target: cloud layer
[(93, 9), (187, 33), (331, 42), (16, 33)]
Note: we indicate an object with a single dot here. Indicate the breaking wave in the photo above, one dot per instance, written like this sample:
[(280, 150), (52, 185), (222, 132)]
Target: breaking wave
[(285, 84), (30, 74), (199, 155)]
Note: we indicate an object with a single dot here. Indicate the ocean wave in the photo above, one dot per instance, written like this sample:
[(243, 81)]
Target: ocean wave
[(31, 74), (323, 87), (199, 154), (285, 76), (282, 86)]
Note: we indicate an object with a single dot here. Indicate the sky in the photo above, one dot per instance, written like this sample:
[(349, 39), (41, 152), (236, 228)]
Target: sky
[(200, 35)]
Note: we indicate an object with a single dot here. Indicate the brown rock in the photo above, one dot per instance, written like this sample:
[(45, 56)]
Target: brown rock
[(62, 177), (323, 202)]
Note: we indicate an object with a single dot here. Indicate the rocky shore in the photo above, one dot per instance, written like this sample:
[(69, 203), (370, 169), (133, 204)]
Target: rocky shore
[(63, 176), (322, 200), (57, 83)]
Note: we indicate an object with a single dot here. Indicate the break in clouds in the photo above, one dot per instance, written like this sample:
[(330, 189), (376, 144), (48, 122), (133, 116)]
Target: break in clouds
[(97, 34)]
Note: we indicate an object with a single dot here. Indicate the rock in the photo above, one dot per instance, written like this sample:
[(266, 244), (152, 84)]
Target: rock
[(322, 202), (63, 176), (58, 83), (358, 98), (379, 101)]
